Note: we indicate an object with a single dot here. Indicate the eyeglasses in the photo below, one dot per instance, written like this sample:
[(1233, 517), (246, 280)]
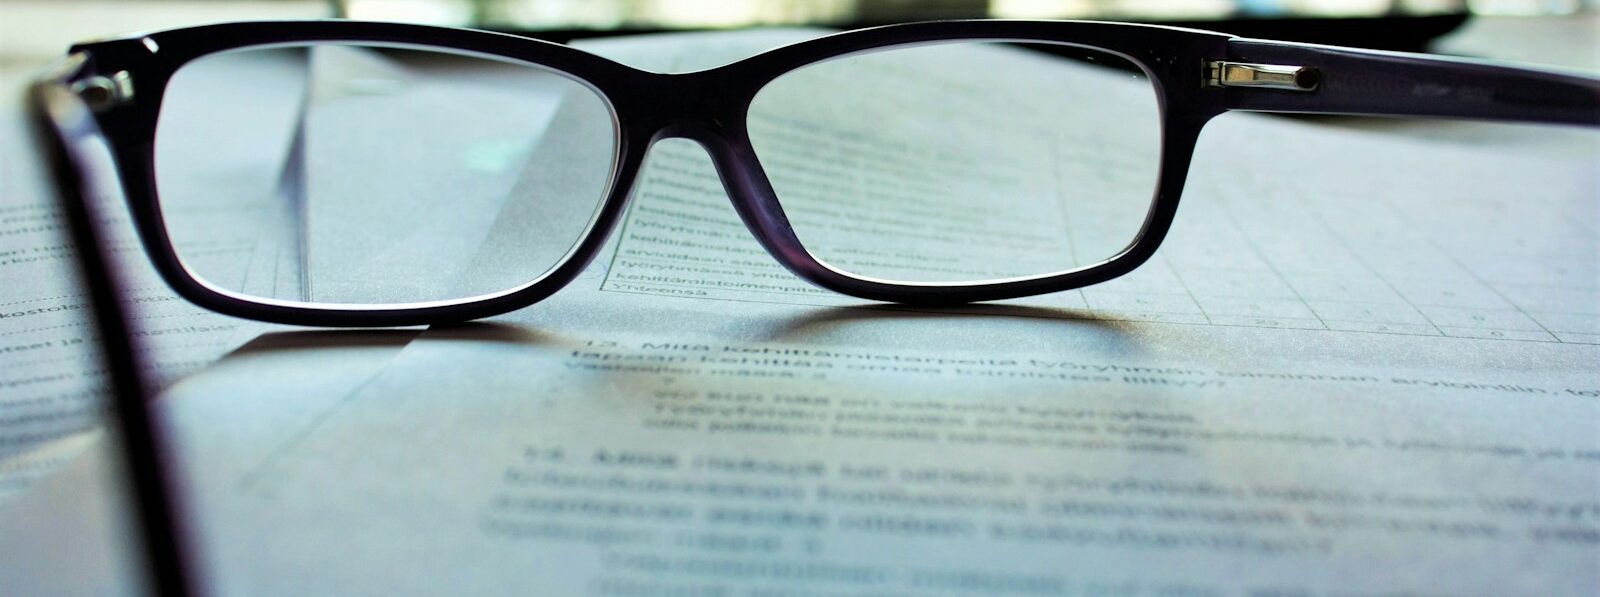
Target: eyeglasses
[(371, 174)]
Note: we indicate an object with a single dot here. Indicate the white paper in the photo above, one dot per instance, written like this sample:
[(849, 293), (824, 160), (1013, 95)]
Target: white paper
[(1361, 365), (1347, 376), (69, 534), (49, 381)]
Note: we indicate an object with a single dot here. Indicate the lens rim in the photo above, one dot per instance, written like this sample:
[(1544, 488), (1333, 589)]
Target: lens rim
[(1169, 57), (571, 252), (150, 61), (1154, 181)]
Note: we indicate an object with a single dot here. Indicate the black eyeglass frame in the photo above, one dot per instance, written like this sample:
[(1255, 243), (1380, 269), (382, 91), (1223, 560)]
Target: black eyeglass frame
[(1196, 76)]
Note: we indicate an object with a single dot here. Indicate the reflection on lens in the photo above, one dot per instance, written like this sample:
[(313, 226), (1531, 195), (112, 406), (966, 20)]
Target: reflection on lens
[(962, 162), (339, 174)]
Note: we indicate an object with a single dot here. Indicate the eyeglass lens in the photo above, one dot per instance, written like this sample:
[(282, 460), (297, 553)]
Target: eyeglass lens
[(344, 174), (962, 162)]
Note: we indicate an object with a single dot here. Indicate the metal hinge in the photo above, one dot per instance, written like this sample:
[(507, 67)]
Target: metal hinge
[(1268, 76), (101, 92)]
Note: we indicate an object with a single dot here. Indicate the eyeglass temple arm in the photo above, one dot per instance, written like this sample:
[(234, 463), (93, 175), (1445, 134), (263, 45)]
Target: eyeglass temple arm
[(60, 127), (1353, 81)]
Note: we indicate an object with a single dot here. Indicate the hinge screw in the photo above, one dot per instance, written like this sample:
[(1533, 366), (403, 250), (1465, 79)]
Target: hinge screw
[(102, 93)]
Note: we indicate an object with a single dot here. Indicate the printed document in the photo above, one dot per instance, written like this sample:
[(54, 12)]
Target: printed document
[(1362, 364), (49, 379)]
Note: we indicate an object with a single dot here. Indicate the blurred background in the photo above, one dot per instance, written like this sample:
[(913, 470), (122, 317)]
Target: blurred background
[(37, 27), (681, 13)]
